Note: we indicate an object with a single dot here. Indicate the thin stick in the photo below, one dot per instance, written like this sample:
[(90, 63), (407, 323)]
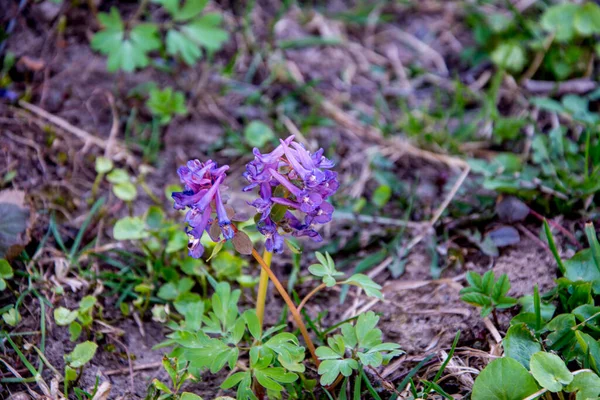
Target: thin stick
[(311, 294), (136, 368), (263, 285), (290, 304)]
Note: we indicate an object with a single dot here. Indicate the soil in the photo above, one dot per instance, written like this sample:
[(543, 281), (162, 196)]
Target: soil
[(56, 170)]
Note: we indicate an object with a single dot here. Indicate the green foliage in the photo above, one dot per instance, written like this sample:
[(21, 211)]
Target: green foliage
[(126, 50), (550, 371), (6, 272), (258, 134), (504, 378), (165, 104), (554, 332), (561, 34), (78, 319), (128, 45), (487, 292), (325, 269), (274, 359), (363, 341), (81, 354), (191, 32)]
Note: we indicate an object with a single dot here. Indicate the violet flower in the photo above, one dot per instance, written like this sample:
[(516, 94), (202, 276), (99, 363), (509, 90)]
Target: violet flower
[(202, 196), (291, 177)]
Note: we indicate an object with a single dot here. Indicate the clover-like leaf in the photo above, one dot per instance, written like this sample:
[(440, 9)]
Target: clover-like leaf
[(330, 369), (166, 103), (325, 269), (130, 228), (64, 316), (187, 40), (560, 19), (126, 50), (11, 317), (82, 354)]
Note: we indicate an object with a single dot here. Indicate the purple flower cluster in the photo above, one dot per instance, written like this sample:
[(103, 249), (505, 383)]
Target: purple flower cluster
[(292, 177), (203, 182)]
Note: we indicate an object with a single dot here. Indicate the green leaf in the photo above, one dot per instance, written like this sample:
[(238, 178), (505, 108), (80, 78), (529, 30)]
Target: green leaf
[(64, 316), (11, 317), (581, 267), (520, 344), (177, 242), (82, 354), (87, 303), (234, 379), (227, 265), (75, 330), (103, 165), (586, 384), (166, 103), (510, 56), (130, 228), (326, 269), (587, 19), (550, 371), (125, 50), (253, 323), (382, 195), (371, 288), (560, 19), (504, 378), (367, 334), (125, 191), (590, 348), (6, 271), (205, 31), (189, 396), (330, 369), (258, 134), (501, 287), (118, 175)]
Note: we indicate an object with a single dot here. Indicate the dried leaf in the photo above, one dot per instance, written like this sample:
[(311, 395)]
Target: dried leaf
[(242, 243), (511, 209), (15, 222), (504, 236)]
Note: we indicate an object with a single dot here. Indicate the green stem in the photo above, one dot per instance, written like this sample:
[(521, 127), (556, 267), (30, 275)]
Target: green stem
[(263, 285)]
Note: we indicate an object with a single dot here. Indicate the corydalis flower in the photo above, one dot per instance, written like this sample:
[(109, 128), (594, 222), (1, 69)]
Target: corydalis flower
[(202, 197), (293, 178)]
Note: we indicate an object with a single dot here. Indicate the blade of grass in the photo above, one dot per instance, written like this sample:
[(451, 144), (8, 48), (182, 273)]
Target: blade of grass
[(590, 232), (370, 387), (56, 233), (553, 248), (357, 388), (537, 307), (412, 373), (84, 227), (447, 360)]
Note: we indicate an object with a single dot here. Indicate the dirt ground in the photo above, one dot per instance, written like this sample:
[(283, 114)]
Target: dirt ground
[(55, 167)]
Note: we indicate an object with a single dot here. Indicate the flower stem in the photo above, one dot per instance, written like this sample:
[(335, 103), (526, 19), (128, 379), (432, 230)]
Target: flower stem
[(311, 294), (290, 304), (263, 285)]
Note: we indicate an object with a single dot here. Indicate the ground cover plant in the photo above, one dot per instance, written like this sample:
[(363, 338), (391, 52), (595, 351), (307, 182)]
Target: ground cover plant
[(368, 200)]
